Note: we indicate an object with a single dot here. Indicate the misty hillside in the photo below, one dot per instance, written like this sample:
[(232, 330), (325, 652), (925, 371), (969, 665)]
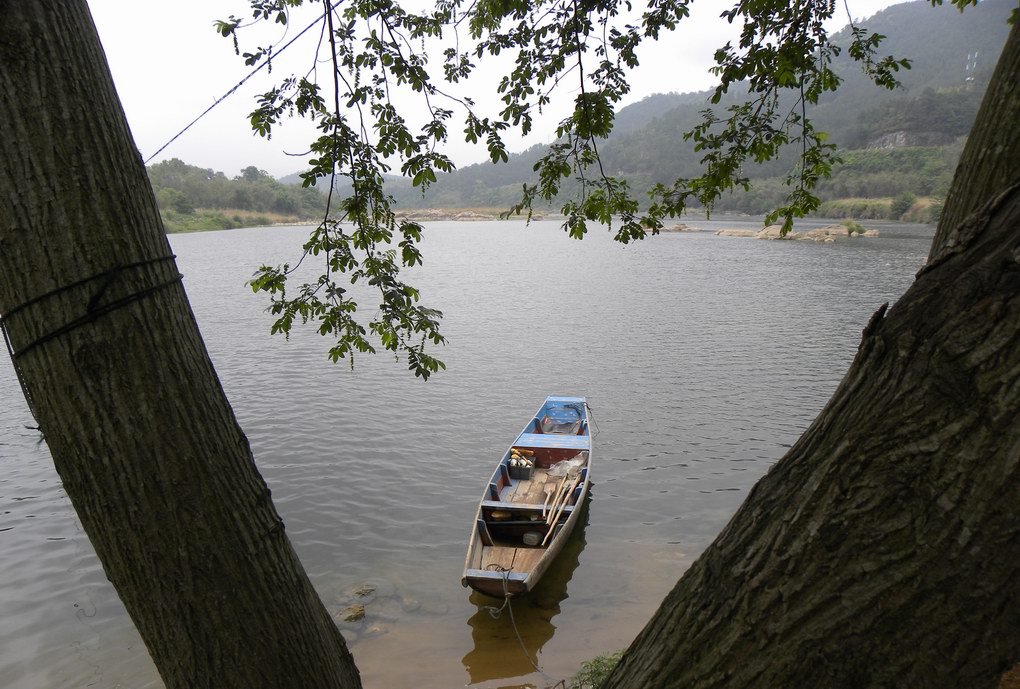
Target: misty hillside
[(902, 141)]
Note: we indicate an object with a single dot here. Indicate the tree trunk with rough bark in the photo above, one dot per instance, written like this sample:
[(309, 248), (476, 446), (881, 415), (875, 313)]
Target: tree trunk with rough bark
[(142, 436), (884, 549), (990, 161)]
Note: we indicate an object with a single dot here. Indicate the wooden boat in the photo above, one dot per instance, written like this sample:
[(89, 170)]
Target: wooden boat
[(527, 512)]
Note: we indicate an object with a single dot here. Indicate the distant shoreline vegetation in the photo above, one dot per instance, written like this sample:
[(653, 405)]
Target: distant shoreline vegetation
[(193, 199)]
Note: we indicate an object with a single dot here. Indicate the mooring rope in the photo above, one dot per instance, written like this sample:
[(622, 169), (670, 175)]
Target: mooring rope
[(495, 613), (591, 415)]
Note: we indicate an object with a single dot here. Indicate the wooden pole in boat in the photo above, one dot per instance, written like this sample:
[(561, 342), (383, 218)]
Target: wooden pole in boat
[(556, 501), (556, 498), (566, 499), (549, 490)]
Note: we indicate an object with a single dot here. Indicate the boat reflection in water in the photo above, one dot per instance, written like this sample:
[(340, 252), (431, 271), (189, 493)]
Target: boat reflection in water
[(497, 653)]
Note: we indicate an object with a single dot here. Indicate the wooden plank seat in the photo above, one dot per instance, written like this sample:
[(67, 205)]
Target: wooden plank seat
[(565, 442), (518, 506), (497, 576)]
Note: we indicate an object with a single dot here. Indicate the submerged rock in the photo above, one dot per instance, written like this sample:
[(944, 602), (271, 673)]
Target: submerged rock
[(376, 630), (366, 592), (352, 613), (435, 607)]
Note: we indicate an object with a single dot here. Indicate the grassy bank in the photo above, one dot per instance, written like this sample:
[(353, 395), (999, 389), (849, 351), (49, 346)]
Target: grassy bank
[(906, 208), (203, 219)]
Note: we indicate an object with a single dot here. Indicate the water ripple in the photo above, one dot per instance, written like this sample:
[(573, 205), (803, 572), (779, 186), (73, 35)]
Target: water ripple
[(703, 359)]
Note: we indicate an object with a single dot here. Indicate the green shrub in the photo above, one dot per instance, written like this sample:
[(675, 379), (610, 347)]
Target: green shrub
[(901, 204), (872, 209), (852, 226), (595, 671)]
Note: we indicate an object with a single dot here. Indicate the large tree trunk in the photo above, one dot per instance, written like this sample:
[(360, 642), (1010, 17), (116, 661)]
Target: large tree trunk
[(144, 440), (884, 549), (990, 161)]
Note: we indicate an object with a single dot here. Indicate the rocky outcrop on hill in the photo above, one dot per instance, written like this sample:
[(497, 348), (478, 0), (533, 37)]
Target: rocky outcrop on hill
[(903, 138)]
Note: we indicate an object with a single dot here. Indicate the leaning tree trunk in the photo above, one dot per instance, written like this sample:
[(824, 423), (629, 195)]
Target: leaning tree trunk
[(990, 160), (144, 440), (884, 549)]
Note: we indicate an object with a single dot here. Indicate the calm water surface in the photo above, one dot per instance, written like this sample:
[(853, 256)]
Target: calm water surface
[(703, 359)]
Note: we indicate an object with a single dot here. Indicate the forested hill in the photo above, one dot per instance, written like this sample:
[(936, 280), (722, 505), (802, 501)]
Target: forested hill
[(194, 198), (903, 142)]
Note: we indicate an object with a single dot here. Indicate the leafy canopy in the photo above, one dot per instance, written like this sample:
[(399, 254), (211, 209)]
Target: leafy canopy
[(376, 49)]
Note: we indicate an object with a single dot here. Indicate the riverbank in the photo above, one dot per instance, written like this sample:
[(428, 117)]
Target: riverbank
[(479, 213), (904, 208), (848, 229), (206, 219)]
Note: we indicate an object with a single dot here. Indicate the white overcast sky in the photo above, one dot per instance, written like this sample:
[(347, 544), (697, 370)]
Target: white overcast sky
[(169, 65)]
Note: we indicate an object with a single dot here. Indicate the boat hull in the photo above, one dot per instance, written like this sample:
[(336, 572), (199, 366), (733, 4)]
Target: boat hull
[(523, 522)]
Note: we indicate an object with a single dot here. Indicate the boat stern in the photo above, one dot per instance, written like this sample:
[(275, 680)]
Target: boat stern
[(506, 584)]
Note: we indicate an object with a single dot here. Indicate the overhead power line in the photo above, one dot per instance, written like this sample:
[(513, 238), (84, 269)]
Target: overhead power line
[(236, 86)]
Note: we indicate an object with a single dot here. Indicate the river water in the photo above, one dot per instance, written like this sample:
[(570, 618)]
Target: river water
[(703, 358)]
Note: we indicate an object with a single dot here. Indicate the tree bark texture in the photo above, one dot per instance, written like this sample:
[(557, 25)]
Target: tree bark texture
[(142, 436), (884, 549), (991, 158)]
